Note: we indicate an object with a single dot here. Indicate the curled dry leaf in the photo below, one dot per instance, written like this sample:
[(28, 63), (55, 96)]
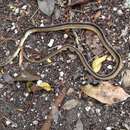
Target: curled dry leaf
[(70, 104), (105, 92), (97, 63), (46, 6), (126, 78)]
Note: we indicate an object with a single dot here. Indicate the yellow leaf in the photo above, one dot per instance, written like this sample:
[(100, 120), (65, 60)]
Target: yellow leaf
[(44, 85), (97, 63), (105, 92)]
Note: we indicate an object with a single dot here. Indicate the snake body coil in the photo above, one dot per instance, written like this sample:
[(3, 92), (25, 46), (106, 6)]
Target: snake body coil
[(87, 26)]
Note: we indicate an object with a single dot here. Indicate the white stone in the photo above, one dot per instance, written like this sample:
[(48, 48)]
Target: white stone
[(50, 44), (39, 82), (17, 11), (87, 108), (26, 94), (45, 117), (42, 25), (15, 74), (103, 17), (35, 122), (119, 12), (8, 122), (15, 31), (108, 128), (42, 75), (61, 73), (109, 67), (11, 99), (24, 7), (50, 108), (65, 35), (46, 98), (115, 9)]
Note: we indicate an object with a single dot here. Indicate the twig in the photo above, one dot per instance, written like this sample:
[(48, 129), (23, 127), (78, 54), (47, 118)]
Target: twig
[(34, 14), (21, 57)]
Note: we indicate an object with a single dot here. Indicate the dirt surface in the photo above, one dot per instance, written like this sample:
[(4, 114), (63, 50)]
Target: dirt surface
[(21, 110)]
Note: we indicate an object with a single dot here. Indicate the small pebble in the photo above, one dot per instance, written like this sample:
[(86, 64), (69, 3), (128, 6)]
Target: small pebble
[(98, 111), (65, 36), (35, 122), (13, 26), (15, 75), (45, 117), (119, 12), (109, 67), (26, 94), (108, 128), (103, 17), (60, 124), (17, 11), (50, 108), (115, 9), (15, 31), (50, 44), (60, 78), (8, 122), (87, 108), (24, 7), (32, 110), (42, 75), (11, 99), (14, 125), (39, 82), (42, 25), (56, 94), (78, 114), (46, 98), (61, 73)]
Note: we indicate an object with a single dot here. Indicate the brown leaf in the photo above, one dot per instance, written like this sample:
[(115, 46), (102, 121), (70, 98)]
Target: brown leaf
[(105, 92)]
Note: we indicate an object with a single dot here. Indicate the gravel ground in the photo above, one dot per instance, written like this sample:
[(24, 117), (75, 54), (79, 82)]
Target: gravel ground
[(21, 110)]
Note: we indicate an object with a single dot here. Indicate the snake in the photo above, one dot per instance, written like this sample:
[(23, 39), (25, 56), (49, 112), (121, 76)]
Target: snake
[(60, 27)]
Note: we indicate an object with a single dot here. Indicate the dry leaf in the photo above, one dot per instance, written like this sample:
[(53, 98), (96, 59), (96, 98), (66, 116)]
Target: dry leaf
[(70, 104), (105, 93), (126, 78), (46, 6), (44, 85), (97, 63)]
